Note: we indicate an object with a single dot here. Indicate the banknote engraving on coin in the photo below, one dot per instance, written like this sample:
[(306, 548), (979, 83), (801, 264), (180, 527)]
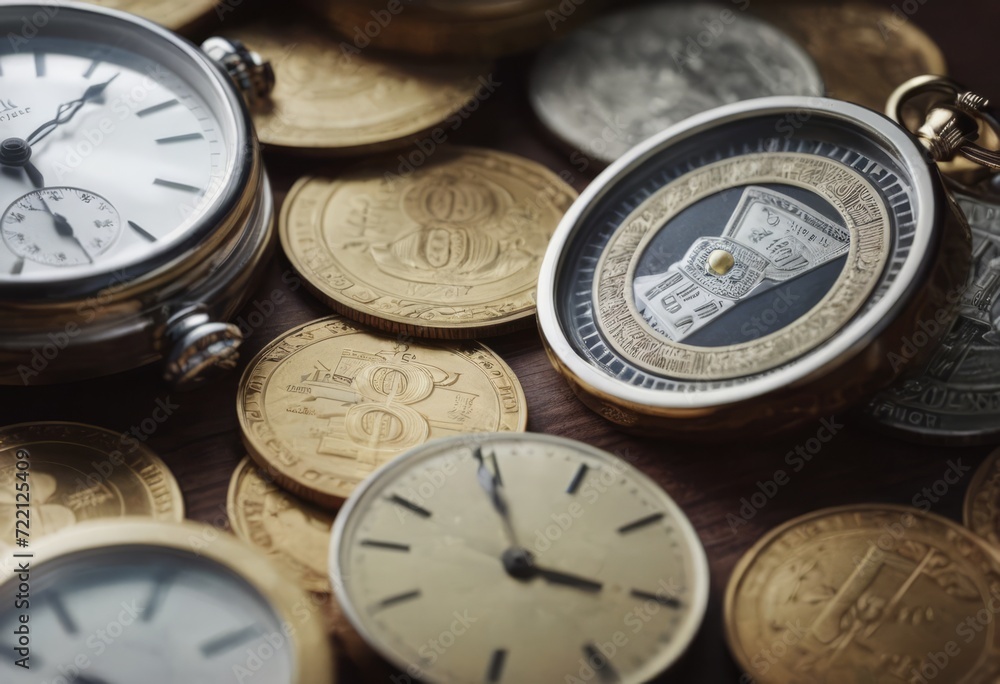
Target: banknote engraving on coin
[(449, 251)]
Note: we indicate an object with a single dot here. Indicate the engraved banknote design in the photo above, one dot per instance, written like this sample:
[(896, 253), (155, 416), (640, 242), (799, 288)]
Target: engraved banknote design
[(772, 239)]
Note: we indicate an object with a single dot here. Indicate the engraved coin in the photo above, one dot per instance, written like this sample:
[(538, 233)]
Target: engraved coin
[(864, 51), (177, 16), (956, 398), (67, 473), (450, 251), (982, 502), (327, 403), (623, 78), (294, 532), (864, 593), (339, 103)]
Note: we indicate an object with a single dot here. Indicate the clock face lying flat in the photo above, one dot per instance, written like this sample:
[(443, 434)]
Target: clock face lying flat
[(516, 558)]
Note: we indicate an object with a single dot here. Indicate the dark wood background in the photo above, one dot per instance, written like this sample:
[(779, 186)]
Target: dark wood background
[(201, 443)]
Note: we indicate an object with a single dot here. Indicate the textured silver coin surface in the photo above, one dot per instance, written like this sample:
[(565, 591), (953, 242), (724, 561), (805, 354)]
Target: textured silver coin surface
[(956, 398), (620, 80)]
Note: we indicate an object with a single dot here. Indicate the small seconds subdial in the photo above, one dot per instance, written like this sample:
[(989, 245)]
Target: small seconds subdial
[(60, 226)]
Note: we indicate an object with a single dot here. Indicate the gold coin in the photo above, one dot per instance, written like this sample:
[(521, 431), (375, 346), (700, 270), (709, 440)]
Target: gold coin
[(335, 102), (451, 250), (177, 16), (982, 501), (869, 593), (295, 533), (453, 27), (327, 403), (864, 52), (67, 473)]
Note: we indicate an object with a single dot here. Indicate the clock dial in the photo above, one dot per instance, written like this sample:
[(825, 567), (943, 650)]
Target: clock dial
[(513, 558), (135, 611), (113, 117)]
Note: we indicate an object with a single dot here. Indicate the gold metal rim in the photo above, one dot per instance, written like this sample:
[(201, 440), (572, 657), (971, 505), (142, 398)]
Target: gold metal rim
[(984, 472)]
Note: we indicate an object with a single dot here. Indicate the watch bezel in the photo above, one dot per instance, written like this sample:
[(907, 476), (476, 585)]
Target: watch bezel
[(858, 334)]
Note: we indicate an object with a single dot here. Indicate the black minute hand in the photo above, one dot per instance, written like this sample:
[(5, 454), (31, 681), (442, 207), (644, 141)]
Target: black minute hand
[(68, 110), (568, 580), (490, 482)]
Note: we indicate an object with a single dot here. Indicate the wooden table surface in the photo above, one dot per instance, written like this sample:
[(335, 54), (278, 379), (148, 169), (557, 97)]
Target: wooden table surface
[(200, 440)]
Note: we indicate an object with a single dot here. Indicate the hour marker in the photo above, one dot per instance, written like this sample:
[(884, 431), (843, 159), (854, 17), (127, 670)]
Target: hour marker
[(495, 670), (92, 68), (180, 138), (662, 599), (59, 608), (392, 546), (141, 231), (17, 267), (393, 600), (156, 597), (227, 642), (39, 64), (176, 186), (156, 108), (577, 479), (600, 663), (640, 523), (410, 506)]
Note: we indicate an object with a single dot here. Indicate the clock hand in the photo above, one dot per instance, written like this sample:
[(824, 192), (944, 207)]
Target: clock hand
[(568, 580), (34, 175), (520, 564), (68, 110), (492, 485), (64, 229)]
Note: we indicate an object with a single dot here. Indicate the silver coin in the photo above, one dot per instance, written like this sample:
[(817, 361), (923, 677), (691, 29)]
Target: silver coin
[(625, 77), (956, 398)]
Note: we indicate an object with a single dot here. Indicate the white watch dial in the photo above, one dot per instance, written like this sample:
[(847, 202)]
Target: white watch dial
[(147, 134), (145, 615)]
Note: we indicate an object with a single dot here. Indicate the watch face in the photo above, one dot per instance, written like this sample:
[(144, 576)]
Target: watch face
[(144, 614), (519, 558), (115, 146), (758, 242)]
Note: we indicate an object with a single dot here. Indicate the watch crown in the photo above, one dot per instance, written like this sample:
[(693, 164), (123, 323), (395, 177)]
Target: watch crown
[(252, 74), (196, 348)]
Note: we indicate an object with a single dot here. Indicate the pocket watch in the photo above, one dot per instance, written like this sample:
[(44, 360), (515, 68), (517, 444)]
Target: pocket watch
[(135, 600), (134, 208), (752, 268), (518, 558)]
